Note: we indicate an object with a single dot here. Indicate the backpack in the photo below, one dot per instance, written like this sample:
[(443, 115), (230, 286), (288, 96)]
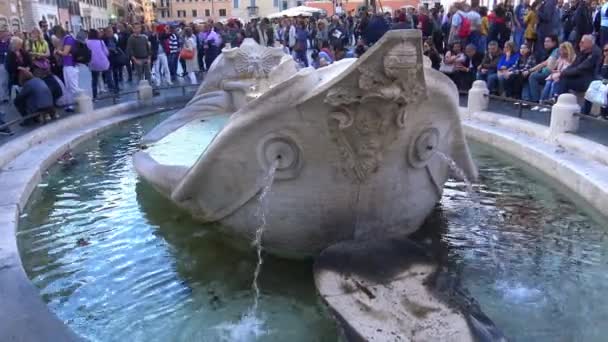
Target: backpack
[(465, 27), (82, 54)]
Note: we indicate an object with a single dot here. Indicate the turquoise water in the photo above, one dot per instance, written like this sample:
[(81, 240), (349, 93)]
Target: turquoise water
[(143, 270), (117, 262)]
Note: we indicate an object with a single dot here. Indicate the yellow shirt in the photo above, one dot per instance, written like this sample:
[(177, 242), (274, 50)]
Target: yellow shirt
[(39, 47), (530, 20), (485, 26)]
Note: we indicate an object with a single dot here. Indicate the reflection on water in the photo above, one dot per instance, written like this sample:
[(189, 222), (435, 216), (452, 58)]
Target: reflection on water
[(536, 263), (146, 272), (149, 273)]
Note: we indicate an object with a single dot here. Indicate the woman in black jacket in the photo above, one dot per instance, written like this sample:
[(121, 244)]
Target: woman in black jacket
[(602, 76)]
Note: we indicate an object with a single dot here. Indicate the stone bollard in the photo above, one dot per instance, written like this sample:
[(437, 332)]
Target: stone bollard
[(562, 115), (144, 91), (478, 97), (84, 103)]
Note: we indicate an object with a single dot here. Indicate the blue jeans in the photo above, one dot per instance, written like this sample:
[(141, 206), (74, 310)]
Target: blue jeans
[(548, 90), (493, 82), (535, 81), (172, 59), (518, 37)]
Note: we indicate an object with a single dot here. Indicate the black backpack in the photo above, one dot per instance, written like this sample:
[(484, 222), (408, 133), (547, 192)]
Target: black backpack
[(82, 54)]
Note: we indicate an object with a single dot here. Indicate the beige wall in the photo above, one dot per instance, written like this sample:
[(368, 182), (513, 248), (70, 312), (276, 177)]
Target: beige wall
[(10, 15), (182, 10)]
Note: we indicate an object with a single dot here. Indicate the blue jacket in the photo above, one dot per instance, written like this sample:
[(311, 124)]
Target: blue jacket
[(508, 63)]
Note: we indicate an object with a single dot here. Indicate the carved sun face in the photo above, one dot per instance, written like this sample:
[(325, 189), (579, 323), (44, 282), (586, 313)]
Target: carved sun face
[(399, 58)]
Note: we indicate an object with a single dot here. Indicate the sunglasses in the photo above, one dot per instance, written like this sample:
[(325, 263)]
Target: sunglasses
[(605, 50)]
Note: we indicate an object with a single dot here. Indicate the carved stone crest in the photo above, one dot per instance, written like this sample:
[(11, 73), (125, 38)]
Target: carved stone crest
[(369, 112), (254, 60)]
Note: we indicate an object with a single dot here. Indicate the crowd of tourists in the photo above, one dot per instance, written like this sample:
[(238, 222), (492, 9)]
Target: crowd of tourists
[(532, 51)]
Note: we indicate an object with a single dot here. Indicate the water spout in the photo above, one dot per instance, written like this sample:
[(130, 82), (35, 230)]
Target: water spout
[(259, 233)]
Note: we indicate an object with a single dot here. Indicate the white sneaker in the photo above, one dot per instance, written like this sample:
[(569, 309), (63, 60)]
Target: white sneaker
[(535, 108), (544, 110)]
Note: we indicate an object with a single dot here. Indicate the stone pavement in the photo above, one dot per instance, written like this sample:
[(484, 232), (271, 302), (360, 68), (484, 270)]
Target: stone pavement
[(594, 130), (10, 112)]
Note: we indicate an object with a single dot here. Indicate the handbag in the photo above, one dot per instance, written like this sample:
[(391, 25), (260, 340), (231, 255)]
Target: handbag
[(118, 58), (42, 64), (186, 54), (597, 93)]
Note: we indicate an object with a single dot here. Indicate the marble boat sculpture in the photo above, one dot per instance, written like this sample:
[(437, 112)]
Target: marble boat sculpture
[(358, 146)]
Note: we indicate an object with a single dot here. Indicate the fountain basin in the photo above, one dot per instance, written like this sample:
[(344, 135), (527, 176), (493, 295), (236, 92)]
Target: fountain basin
[(163, 270)]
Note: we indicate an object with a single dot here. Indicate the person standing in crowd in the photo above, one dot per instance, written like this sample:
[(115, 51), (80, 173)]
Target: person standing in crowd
[(46, 35), (425, 24), (100, 63), (161, 64), (322, 33), (138, 49), (547, 12), (39, 52), (499, 31), (117, 58), (539, 73), (604, 24), (291, 35), (582, 71), (212, 45), (17, 59), (34, 97), (124, 33), (172, 41), (530, 22), (300, 47), (4, 76), (519, 25), (201, 38), (191, 64), (582, 20)]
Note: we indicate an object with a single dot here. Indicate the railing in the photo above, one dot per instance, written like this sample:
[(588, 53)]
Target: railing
[(116, 96), (113, 96)]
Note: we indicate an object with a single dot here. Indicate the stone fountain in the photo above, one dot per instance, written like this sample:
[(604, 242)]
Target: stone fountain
[(360, 150), (358, 145)]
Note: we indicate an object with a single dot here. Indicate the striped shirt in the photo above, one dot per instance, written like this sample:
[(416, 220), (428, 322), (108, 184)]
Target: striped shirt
[(173, 43)]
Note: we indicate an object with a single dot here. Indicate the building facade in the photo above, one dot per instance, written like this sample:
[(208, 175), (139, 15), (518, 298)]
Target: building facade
[(37, 10), (10, 15), (192, 10)]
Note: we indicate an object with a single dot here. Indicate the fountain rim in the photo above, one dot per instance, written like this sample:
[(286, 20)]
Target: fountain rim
[(566, 156)]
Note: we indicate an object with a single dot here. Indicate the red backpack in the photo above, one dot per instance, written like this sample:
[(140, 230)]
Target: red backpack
[(465, 27)]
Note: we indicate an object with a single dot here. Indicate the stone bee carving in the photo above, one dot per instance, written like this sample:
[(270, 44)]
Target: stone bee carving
[(358, 145)]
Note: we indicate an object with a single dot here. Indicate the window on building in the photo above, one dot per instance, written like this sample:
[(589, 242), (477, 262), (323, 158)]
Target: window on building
[(299, 3), (235, 4), (275, 3), (284, 5), (194, 13), (222, 12), (207, 13)]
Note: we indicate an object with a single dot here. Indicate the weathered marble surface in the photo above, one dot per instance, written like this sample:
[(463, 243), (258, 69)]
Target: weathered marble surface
[(237, 76), (357, 145), (393, 290)]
